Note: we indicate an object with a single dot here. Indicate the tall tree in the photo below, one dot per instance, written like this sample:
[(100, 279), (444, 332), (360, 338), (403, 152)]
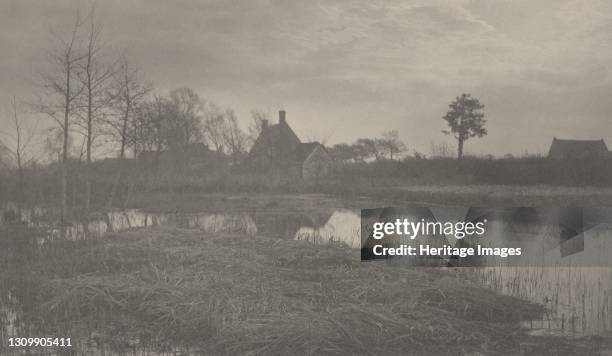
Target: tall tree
[(254, 129), (185, 116), (234, 138), (60, 99), (214, 125), (343, 152), (150, 123), (465, 118), (94, 76), (366, 148), (128, 91), (391, 143)]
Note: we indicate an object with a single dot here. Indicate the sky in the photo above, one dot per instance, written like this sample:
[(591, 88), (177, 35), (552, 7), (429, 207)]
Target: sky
[(347, 69)]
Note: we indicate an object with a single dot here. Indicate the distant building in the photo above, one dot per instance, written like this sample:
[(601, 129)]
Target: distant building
[(578, 149), (278, 150)]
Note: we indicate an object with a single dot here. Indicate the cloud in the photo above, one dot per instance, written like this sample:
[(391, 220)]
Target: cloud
[(335, 62)]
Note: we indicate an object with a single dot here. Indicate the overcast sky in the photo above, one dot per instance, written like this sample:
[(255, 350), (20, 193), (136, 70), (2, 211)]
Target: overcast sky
[(344, 69)]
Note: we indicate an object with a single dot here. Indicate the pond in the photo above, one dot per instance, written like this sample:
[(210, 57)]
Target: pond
[(317, 226), (577, 299), (340, 225)]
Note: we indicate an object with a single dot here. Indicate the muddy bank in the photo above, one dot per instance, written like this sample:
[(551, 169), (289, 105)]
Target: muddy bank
[(164, 289)]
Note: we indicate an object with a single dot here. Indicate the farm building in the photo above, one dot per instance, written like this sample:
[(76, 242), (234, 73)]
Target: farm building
[(279, 151), (578, 149)]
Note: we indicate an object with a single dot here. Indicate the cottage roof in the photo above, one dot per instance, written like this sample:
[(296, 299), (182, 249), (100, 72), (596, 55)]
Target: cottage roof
[(278, 134), (561, 148), (305, 149), (280, 143)]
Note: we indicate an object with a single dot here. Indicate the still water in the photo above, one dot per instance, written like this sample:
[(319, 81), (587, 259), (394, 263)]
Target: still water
[(339, 226), (577, 299)]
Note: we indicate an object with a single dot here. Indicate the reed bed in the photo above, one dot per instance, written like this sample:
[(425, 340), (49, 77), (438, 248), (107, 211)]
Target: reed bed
[(577, 299), (225, 294)]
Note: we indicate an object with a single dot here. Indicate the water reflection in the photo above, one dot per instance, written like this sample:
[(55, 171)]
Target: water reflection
[(577, 299), (291, 225), (320, 226), (121, 220), (343, 226)]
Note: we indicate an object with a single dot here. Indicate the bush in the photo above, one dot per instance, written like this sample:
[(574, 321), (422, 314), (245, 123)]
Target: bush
[(507, 171)]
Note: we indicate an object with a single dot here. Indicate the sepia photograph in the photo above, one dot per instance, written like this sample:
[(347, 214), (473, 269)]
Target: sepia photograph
[(323, 177)]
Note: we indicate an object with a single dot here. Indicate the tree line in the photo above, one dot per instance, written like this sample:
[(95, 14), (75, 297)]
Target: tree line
[(98, 101), (98, 104), (387, 147), (464, 118)]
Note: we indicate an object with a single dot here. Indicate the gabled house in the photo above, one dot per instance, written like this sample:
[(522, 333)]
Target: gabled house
[(578, 149), (279, 151)]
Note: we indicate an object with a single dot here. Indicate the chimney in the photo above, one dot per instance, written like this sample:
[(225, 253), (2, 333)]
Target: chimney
[(264, 125), (281, 117)]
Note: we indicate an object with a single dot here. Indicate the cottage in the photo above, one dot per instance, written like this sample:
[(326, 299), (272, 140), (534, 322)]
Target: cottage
[(578, 149), (278, 150)]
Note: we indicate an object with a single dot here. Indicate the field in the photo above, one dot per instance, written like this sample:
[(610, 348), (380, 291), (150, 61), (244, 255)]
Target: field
[(227, 294)]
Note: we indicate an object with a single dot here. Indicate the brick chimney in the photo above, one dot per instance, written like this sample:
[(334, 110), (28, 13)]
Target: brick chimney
[(281, 117)]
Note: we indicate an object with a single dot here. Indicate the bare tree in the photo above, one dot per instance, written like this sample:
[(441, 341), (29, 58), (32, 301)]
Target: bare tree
[(21, 152), (127, 93), (234, 138), (94, 76), (343, 152), (214, 126), (440, 149), (62, 91), (391, 143), (366, 148), (222, 131), (254, 129), (149, 127), (185, 116)]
